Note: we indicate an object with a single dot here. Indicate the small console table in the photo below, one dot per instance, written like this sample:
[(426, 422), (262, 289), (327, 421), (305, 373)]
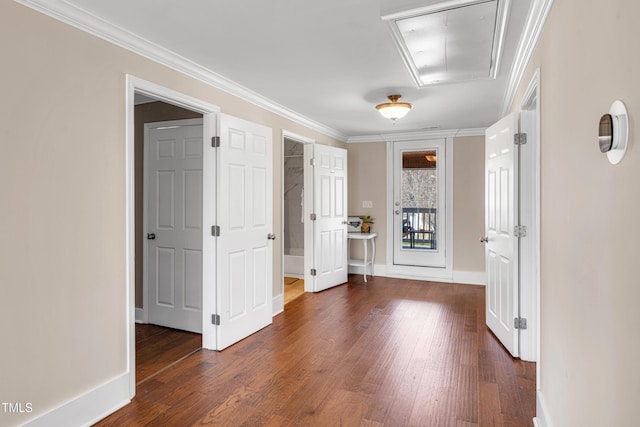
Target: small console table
[(365, 237)]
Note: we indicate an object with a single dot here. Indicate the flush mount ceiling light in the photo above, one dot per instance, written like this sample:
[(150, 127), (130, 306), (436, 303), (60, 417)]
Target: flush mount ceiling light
[(394, 110)]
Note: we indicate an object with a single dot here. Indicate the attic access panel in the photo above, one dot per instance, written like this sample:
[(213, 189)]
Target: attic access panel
[(452, 41)]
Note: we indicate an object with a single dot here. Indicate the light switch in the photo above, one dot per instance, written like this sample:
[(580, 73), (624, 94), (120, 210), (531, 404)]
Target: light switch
[(367, 204)]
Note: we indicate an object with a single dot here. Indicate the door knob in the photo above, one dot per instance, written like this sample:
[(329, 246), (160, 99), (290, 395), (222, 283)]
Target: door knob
[(151, 236), (484, 240), (397, 212), (271, 236)]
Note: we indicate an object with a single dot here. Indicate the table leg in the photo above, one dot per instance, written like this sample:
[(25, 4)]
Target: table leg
[(364, 242), (373, 254)]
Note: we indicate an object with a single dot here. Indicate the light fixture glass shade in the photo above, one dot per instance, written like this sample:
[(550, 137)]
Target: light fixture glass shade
[(394, 110)]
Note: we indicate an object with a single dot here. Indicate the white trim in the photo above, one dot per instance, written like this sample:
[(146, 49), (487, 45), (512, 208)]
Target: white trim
[(141, 316), (277, 305), (86, 21), (423, 273), (309, 143), (130, 236), (533, 29), (210, 127), (378, 270), (297, 137), (542, 418), (415, 136), (470, 277), (89, 407), (470, 132), (459, 277)]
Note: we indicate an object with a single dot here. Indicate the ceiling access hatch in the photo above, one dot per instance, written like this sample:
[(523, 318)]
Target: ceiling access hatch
[(451, 41)]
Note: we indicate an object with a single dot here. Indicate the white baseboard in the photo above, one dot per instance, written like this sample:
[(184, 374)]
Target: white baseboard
[(463, 277), (378, 270), (470, 277), (542, 414), (89, 408), (141, 315), (277, 304)]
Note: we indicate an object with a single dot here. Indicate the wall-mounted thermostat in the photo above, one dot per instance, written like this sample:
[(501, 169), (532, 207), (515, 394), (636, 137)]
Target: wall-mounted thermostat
[(613, 134)]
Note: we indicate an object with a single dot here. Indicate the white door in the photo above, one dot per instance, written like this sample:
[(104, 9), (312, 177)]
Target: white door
[(419, 218), (501, 216), (245, 217), (174, 224), (330, 208)]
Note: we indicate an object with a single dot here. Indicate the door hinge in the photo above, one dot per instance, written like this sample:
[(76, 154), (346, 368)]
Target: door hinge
[(312, 162), (519, 323), (313, 217), (215, 230), (313, 271), (215, 319), (520, 231), (215, 141), (519, 138)]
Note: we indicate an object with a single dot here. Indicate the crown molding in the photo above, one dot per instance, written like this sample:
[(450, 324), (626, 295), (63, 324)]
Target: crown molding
[(90, 23), (535, 22), (415, 136)]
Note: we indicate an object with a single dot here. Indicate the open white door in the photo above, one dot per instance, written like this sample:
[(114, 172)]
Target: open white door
[(501, 218), (245, 218), (330, 210), (174, 224)]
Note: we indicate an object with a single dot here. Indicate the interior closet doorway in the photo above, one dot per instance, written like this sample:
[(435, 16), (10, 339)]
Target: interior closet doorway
[(293, 220), (158, 346)]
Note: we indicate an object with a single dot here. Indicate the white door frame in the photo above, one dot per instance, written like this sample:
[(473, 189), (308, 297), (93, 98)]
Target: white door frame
[(413, 272), (307, 210), (210, 114), (530, 216), (145, 208)]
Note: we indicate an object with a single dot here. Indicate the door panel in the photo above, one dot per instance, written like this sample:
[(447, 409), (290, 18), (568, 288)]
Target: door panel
[(174, 216), (245, 214), (501, 184), (419, 219), (330, 227)]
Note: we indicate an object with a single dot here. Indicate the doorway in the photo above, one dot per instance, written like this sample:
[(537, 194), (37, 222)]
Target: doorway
[(293, 235), (419, 232), (162, 338), (140, 88), (513, 227)]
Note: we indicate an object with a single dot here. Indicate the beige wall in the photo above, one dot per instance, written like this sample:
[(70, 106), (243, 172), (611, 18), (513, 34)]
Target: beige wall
[(368, 181), (62, 169), (590, 246), (148, 113), (468, 203), (367, 167)]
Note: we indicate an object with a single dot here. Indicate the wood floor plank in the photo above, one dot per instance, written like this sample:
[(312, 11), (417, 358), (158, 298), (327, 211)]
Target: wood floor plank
[(388, 352)]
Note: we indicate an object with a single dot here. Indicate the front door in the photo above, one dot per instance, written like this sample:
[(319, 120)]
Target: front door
[(501, 199), (419, 220), (245, 218), (174, 224), (330, 210)]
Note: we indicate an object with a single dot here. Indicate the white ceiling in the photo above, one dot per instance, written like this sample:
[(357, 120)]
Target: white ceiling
[(331, 61)]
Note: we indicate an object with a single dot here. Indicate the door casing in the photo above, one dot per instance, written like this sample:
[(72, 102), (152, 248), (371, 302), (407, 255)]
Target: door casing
[(413, 272), (210, 120), (307, 210)]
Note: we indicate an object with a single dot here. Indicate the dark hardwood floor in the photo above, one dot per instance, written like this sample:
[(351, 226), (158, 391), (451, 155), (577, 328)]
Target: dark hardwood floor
[(387, 352), (157, 348)]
